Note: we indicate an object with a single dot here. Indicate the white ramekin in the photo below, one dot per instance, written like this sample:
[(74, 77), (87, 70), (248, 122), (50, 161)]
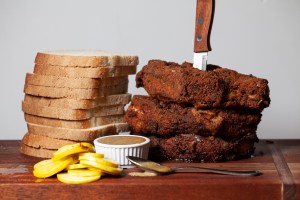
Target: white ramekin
[(119, 152)]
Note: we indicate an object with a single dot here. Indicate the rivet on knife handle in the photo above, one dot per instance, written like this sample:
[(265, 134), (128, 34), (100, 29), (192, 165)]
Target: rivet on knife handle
[(203, 25)]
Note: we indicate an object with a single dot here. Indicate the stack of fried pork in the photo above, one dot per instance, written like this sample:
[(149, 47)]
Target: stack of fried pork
[(195, 115)]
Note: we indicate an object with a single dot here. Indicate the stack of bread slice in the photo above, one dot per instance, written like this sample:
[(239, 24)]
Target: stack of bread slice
[(75, 96)]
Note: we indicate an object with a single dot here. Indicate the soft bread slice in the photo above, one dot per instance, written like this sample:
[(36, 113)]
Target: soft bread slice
[(71, 114), (36, 152), (74, 93), (74, 124), (67, 82), (78, 72), (38, 141), (78, 103), (77, 134), (85, 58)]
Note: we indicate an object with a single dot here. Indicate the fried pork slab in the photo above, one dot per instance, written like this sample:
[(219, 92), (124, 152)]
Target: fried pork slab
[(191, 147), (151, 116), (217, 87)]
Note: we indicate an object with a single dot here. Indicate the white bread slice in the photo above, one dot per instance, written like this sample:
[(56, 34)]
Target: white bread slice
[(38, 141), (74, 93), (67, 82), (85, 58), (78, 72), (77, 134), (74, 124), (71, 114), (36, 152), (78, 103)]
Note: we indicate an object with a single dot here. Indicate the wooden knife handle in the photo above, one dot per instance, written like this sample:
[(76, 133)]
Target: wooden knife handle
[(204, 18)]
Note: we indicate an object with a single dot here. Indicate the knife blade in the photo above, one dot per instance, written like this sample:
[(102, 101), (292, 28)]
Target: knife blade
[(203, 25)]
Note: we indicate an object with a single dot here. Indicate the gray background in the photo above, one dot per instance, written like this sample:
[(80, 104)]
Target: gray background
[(260, 37)]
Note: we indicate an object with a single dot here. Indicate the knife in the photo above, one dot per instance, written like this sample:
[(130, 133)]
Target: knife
[(203, 25)]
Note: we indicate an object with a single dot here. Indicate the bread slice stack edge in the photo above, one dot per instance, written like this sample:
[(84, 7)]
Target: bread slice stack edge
[(74, 96)]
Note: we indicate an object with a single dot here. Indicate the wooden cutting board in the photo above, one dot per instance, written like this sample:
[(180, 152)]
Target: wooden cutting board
[(279, 161)]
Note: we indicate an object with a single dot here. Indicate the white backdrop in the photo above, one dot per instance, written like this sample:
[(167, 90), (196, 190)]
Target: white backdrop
[(260, 37)]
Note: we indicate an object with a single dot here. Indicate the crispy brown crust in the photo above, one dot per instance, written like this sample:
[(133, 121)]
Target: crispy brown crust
[(216, 87), (190, 147), (150, 116)]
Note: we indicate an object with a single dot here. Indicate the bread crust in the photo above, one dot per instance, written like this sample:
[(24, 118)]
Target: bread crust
[(78, 103), (43, 142), (72, 114), (85, 58), (74, 124), (36, 152), (69, 82), (78, 72), (75, 93), (88, 134)]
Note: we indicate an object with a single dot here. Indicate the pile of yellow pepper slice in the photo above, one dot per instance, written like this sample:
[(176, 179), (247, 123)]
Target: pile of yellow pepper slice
[(75, 164)]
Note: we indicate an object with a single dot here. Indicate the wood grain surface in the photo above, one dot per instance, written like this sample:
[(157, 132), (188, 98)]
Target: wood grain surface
[(203, 25), (274, 159)]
